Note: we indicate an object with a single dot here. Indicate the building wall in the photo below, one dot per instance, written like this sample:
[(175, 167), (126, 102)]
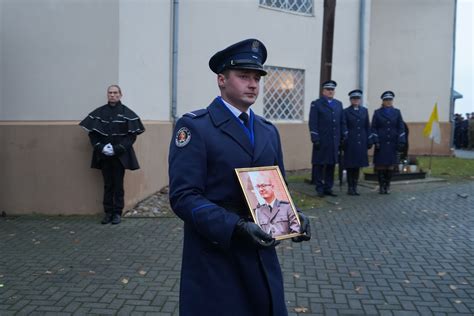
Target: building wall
[(58, 57), (145, 56), (46, 168), (292, 40), (410, 53)]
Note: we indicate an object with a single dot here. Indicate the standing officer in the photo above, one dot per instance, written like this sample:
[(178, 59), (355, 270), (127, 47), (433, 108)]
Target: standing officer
[(357, 144), (229, 265), (327, 127), (388, 135), (113, 128)]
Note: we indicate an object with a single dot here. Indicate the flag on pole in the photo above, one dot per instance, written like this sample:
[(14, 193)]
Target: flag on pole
[(432, 129)]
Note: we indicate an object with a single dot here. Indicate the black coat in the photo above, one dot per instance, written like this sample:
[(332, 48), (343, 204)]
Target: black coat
[(117, 125), (388, 131), (219, 275), (327, 126), (358, 128)]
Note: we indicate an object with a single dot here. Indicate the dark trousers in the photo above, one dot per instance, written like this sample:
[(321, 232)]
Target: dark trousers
[(323, 176), (352, 177), (113, 173)]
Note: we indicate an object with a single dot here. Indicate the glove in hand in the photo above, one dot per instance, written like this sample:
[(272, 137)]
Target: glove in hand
[(305, 229), (253, 235)]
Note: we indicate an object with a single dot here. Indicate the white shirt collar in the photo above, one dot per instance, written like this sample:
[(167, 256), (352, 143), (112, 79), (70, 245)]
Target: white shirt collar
[(234, 110), (272, 203)]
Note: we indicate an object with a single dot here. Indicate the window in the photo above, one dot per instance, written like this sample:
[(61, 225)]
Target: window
[(283, 94), (299, 6)]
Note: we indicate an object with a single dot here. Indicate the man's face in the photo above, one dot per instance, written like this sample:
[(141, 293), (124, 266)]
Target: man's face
[(387, 102), (113, 95), (355, 101), (265, 189), (240, 87), (329, 93)]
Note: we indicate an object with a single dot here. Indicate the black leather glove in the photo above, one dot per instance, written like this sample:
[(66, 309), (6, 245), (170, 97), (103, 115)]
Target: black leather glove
[(305, 228), (317, 145), (253, 235), (369, 146), (377, 146)]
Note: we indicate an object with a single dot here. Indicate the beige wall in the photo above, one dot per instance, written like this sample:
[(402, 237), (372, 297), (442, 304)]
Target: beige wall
[(411, 54), (145, 56), (57, 57), (292, 40), (46, 168)]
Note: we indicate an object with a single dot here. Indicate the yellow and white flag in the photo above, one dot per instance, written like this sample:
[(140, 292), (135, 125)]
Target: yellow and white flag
[(432, 129)]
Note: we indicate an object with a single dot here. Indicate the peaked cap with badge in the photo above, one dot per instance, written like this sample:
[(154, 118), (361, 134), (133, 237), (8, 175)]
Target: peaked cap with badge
[(355, 94), (329, 84), (387, 95), (247, 54)]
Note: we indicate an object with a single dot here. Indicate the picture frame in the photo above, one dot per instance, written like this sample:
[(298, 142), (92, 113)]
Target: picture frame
[(269, 201)]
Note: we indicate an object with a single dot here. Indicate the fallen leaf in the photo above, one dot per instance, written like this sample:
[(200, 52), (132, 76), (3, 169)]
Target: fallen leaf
[(296, 275), (301, 309), (142, 272), (48, 272), (1, 285), (407, 281), (441, 273), (124, 280), (453, 287), (358, 289), (458, 301), (317, 251)]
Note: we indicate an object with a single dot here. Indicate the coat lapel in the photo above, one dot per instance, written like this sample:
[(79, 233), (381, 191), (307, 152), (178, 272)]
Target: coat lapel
[(225, 120)]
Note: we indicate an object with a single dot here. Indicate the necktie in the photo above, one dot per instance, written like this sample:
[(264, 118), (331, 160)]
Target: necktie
[(245, 118)]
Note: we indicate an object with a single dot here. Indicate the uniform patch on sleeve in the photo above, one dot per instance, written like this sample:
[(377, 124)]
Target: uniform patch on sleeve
[(183, 137)]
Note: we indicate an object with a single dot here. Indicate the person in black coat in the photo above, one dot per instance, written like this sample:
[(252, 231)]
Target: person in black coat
[(357, 144), (327, 127), (389, 137), (113, 128), (229, 265)]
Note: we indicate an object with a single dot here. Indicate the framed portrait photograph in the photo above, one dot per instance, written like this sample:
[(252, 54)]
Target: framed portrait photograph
[(269, 201)]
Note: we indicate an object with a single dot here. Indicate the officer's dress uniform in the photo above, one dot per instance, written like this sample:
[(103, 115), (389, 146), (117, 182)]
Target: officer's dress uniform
[(119, 126), (327, 127), (277, 219), (357, 144), (389, 137), (219, 275)]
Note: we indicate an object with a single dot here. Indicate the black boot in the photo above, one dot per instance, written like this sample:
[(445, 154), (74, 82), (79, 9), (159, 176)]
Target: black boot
[(380, 177), (350, 188), (388, 178), (355, 180), (107, 218)]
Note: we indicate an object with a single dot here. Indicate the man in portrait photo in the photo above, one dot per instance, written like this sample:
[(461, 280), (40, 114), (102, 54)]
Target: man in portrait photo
[(274, 216)]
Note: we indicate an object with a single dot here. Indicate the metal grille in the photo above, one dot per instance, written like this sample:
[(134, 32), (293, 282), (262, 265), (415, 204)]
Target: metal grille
[(283, 94), (300, 6)]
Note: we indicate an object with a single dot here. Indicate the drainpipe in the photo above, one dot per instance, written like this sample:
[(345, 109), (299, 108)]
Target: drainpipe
[(453, 58), (174, 61), (362, 30)]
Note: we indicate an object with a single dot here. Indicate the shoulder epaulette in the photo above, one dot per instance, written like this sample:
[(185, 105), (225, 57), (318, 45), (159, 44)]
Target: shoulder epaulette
[(195, 114), (284, 202)]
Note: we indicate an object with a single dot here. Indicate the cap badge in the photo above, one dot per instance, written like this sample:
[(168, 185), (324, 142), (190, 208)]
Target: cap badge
[(183, 137), (255, 45)]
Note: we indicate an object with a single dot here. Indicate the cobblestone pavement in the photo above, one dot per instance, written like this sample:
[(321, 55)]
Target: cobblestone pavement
[(408, 253)]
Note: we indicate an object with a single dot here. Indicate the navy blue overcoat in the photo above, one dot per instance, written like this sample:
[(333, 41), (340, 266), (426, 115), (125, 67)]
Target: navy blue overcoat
[(327, 126), (388, 131), (358, 132), (220, 276)]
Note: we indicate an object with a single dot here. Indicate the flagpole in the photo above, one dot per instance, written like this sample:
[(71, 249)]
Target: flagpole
[(431, 156)]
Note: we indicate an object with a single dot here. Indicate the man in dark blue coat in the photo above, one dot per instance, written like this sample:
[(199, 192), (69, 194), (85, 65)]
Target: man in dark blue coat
[(327, 128), (389, 137), (356, 146), (230, 266)]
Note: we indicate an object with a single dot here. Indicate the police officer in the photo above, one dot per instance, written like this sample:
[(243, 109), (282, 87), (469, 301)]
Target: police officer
[(388, 135), (113, 128), (229, 265), (357, 144), (327, 127), (275, 217)]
